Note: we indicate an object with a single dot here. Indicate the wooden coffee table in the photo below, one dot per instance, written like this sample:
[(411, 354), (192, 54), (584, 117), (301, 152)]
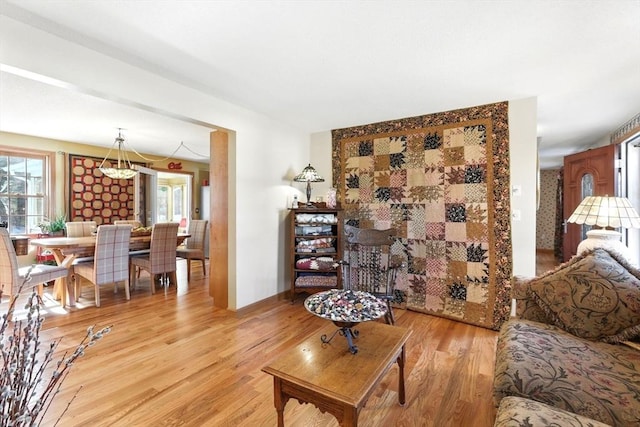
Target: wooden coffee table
[(333, 379)]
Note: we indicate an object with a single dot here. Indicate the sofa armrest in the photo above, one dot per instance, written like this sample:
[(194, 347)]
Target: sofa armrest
[(526, 307)]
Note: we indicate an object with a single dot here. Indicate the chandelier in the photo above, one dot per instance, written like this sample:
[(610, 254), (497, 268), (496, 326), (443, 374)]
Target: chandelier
[(123, 169)]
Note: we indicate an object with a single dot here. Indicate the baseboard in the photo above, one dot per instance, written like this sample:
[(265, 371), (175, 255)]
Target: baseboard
[(545, 251), (259, 305)]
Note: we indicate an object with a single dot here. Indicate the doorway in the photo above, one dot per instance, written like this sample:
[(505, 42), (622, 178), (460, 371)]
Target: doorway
[(174, 198), (589, 173), (630, 187), (163, 197)]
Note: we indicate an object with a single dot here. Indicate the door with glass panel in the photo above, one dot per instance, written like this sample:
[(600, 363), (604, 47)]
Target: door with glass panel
[(589, 173)]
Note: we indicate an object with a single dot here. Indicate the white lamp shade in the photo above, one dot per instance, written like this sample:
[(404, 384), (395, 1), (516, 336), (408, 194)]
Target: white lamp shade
[(119, 173), (604, 211), (123, 168)]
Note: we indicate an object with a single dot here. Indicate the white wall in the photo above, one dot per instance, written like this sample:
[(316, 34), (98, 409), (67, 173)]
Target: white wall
[(321, 160), (265, 150), (523, 153)]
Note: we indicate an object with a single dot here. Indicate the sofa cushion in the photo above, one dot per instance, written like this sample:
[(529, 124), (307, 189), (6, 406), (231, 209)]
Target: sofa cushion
[(526, 307), (520, 412), (595, 295), (590, 378)]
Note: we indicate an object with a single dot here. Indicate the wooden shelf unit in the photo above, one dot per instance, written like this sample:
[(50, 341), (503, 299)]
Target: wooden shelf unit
[(311, 230)]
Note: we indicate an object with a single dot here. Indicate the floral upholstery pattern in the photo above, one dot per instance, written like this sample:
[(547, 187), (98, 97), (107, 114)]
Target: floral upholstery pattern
[(547, 364), (526, 307), (519, 412), (595, 295)]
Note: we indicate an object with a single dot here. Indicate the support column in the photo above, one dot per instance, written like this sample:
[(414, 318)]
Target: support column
[(219, 215)]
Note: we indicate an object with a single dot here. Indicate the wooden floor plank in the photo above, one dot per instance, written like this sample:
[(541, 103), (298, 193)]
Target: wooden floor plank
[(173, 359)]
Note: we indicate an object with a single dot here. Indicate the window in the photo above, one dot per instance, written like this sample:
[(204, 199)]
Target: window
[(171, 202), (587, 190), (178, 203), (630, 187), (163, 202), (24, 200)]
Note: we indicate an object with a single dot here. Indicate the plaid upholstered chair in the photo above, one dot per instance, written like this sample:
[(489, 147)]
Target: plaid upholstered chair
[(80, 228), (12, 277), (110, 262), (161, 259), (132, 222), (194, 246)]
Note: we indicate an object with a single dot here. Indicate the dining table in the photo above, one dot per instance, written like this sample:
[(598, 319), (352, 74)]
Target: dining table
[(66, 250)]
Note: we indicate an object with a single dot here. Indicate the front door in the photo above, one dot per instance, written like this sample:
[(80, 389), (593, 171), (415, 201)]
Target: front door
[(590, 173)]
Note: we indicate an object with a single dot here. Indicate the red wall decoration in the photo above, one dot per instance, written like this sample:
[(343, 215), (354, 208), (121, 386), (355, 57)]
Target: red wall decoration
[(96, 197)]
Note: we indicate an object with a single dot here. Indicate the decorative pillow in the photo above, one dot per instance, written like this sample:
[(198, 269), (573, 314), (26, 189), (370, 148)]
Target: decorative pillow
[(527, 307), (595, 296)]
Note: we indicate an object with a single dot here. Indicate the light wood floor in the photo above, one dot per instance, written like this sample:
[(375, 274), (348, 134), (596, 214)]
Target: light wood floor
[(545, 261), (175, 360)]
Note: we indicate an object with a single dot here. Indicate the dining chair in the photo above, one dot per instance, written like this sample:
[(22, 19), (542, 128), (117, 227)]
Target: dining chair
[(80, 228), (161, 259), (15, 279), (132, 222), (194, 246), (110, 264), (368, 264)]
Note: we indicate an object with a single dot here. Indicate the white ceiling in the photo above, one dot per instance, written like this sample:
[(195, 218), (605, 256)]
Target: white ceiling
[(47, 110), (321, 65)]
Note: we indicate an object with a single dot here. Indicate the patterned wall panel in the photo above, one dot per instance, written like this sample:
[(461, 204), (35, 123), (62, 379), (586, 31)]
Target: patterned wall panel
[(95, 197), (442, 181), (546, 215)]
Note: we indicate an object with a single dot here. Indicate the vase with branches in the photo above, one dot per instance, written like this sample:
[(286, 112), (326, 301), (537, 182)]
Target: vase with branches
[(29, 381)]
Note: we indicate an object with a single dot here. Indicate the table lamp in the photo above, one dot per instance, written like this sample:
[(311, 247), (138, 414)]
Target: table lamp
[(308, 175), (606, 212)]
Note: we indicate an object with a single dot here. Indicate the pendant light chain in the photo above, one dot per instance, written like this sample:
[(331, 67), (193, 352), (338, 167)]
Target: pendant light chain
[(169, 156)]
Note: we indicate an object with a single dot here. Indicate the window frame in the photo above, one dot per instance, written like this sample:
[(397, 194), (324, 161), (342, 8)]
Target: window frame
[(48, 174)]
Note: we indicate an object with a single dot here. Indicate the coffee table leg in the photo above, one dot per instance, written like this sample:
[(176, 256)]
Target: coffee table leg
[(278, 401), (401, 357), (350, 417)]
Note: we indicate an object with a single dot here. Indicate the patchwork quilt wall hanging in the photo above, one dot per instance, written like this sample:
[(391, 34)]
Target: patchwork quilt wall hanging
[(442, 182), (96, 197)]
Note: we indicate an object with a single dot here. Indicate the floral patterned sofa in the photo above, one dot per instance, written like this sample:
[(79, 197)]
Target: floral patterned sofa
[(520, 412), (573, 343)]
